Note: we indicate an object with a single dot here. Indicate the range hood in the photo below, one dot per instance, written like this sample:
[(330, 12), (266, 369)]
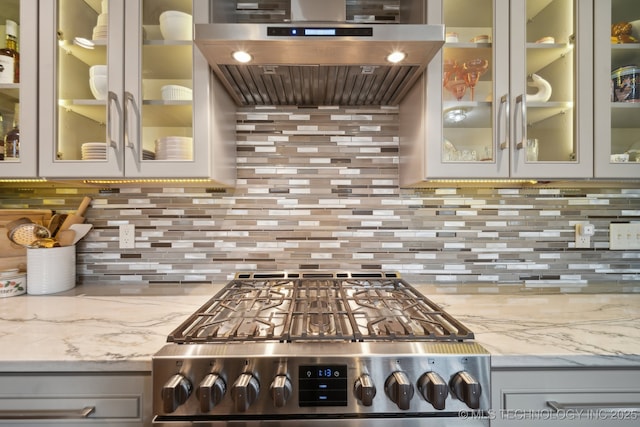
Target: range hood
[(317, 58)]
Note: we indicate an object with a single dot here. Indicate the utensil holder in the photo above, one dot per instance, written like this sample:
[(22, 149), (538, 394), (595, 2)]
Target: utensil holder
[(51, 270)]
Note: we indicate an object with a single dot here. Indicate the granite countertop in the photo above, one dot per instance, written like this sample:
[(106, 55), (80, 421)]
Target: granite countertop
[(98, 328)]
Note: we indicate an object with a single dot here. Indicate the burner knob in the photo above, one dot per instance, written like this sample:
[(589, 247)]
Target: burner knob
[(399, 389), (245, 391), (280, 390), (434, 389), (210, 392), (365, 390), (467, 389), (175, 392)]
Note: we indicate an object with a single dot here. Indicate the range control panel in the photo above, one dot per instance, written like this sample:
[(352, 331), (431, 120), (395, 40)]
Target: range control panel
[(262, 382)]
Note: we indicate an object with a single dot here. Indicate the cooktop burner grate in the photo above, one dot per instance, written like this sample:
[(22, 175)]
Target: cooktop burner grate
[(291, 307)]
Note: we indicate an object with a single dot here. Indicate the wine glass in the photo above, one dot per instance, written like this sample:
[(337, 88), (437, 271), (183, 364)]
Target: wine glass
[(450, 66), (457, 87), (472, 70)]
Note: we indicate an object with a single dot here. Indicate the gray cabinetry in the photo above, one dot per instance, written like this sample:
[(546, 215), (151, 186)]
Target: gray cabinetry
[(78, 399), (487, 121), (565, 397)]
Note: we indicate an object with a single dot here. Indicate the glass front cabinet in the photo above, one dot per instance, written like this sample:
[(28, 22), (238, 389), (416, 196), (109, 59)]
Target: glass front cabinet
[(122, 88), (509, 95), (18, 89), (617, 88)]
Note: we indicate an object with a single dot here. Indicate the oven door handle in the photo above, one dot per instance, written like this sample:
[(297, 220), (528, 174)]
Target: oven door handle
[(558, 406), (28, 414)]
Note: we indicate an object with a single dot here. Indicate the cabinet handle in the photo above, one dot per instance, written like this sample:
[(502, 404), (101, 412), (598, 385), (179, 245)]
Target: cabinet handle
[(523, 125), (557, 406), (113, 99), (130, 99), (503, 111), (48, 414)]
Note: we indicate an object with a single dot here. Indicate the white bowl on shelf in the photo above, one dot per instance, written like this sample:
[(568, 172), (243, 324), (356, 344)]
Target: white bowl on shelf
[(98, 86), (175, 25), (635, 29), (97, 70), (103, 20), (176, 93)]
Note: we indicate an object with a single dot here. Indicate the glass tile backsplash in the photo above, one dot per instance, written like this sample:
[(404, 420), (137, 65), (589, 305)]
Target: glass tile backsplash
[(318, 188)]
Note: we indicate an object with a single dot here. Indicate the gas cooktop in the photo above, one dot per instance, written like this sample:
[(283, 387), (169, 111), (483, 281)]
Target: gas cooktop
[(291, 307)]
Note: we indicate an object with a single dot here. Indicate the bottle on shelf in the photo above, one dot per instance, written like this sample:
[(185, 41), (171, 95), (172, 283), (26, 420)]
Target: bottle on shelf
[(12, 138), (1, 137), (9, 56)]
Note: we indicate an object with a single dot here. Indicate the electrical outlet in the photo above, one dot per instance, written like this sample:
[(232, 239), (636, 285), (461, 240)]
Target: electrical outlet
[(583, 234), (127, 236), (624, 236)]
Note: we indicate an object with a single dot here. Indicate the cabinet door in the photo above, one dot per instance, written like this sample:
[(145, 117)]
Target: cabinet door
[(81, 80), (551, 98), (161, 71), (483, 118), (617, 89), (21, 97), (466, 121)]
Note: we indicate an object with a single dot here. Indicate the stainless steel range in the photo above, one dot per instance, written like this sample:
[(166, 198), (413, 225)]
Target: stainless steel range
[(277, 349)]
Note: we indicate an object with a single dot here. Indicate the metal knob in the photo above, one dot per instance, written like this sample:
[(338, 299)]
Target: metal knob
[(280, 390), (399, 389), (245, 391), (365, 389), (434, 389), (175, 392), (210, 392), (467, 389)]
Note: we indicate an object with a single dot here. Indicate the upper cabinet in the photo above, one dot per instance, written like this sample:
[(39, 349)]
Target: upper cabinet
[(617, 88), (509, 95), (123, 93), (18, 89)]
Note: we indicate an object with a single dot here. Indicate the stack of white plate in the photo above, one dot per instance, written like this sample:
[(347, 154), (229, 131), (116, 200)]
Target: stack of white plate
[(94, 151), (100, 30), (148, 155), (174, 148)]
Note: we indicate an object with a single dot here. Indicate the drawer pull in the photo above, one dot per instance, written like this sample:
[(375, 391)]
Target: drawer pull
[(557, 406), (47, 414)]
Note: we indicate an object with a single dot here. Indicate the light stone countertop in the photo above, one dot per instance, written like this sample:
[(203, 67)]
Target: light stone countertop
[(98, 328)]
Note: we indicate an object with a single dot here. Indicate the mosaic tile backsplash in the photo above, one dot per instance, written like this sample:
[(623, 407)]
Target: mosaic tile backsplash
[(318, 189)]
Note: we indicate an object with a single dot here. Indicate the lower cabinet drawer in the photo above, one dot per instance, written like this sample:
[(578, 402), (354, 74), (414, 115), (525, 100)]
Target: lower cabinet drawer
[(566, 397), (78, 399)]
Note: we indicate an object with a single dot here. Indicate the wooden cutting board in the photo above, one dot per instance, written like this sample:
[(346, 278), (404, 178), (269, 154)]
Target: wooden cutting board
[(12, 255)]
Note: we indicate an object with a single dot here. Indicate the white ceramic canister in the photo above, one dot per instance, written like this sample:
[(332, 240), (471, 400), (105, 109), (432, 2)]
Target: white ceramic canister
[(51, 270), (12, 283)]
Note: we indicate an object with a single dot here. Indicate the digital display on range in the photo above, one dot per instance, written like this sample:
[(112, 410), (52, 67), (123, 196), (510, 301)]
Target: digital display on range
[(322, 385)]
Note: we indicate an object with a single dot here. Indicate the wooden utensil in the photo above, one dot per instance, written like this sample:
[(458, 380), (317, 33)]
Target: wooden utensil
[(81, 231), (56, 222), (78, 217), (66, 237)]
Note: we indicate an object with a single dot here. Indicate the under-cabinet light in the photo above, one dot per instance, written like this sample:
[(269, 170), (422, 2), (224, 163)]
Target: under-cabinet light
[(147, 181)]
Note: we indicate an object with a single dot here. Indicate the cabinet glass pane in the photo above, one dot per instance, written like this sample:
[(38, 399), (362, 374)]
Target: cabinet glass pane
[(81, 89), (467, 81), (167, 81), (625, 81), (550, 55), (9, 83)]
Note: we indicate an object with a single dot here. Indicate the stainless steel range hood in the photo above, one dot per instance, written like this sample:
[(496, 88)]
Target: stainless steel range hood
[(312, 62)]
